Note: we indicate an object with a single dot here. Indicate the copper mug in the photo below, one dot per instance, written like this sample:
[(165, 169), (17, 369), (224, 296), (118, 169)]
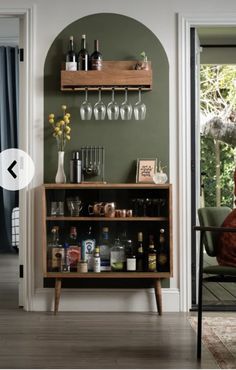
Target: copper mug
[(109, 209), (96, 209)]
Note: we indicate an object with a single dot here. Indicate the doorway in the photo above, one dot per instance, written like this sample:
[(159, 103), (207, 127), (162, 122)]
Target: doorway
[(217, 58), (9, 123)]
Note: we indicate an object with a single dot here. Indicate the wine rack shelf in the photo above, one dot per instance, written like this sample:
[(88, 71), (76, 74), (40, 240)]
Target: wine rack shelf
[(122, 194), (120, 75)]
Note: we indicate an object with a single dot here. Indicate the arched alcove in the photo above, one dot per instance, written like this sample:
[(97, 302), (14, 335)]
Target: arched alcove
[(121, 38)]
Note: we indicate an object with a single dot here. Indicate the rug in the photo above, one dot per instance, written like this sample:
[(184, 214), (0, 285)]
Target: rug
[(219, 336)]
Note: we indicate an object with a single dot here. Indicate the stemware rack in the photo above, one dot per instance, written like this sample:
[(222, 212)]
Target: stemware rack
[(120, 75)]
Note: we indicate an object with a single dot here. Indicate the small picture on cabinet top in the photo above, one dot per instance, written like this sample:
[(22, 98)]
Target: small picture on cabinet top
[(146, 168)]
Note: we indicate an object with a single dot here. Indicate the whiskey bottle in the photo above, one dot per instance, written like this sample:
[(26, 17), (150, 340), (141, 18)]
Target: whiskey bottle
[(152, 256), (140, 253), (57, 251), (74, 249), (162, 253)]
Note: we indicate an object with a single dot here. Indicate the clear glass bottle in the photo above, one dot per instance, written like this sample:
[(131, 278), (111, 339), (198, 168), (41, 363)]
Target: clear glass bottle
[(152, 255), (88, 246), (117, 256), (66, 262)]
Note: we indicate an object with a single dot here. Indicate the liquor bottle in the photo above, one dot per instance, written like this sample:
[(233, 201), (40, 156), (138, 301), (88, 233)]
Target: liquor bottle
[(162, 253), (88, 246), (71, 63), (96, 260), (140, 253), (66, 262), (105, 248), (130, 256), (117, 256), (75, 168), (83, 56), (96, 57), (74, 249), (57, 251), (152, 256)]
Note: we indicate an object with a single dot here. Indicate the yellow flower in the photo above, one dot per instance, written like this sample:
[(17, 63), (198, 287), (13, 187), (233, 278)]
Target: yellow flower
[(51, 120), (68, 137), (59, 133), (51, 116), (68, 115), (56, 129), (67, 129), (64, 107), (62, 123)]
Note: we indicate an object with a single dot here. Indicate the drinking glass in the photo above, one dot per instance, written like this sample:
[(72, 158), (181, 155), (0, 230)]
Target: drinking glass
[(126, 108), (139, 108), (86, 108), (99, 108), (113, 108)]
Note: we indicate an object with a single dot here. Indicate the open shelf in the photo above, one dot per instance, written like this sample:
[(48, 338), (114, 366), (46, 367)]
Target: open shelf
[(114, 74)]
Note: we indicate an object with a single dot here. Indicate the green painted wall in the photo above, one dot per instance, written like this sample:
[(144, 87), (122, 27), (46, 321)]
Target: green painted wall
[(121, 38)]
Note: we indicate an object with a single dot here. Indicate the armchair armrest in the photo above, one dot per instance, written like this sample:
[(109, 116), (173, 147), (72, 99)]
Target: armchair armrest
[(215, 228)]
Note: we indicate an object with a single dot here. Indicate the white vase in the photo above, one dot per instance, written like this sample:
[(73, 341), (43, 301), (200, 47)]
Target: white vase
[(60, 176)]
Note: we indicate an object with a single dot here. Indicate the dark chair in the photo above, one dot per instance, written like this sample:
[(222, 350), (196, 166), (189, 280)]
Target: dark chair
[(211, 219)]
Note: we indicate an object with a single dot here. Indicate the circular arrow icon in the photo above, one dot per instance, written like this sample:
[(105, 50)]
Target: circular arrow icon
[(17, 169)]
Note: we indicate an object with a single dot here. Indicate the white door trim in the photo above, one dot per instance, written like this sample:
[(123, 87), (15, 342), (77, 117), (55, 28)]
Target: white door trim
[(26, 143), (185, 22)]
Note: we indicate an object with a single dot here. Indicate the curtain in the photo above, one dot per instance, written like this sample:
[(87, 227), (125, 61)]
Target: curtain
[(9, 100)]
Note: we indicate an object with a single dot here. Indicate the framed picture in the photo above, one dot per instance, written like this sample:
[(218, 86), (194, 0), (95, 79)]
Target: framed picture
[(145, 170)]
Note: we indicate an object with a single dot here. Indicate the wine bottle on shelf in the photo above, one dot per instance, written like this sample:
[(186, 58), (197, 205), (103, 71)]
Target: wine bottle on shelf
[(162, 253), (152, 255), (96, 57), (71, 63), (140, 253), (83, 56), (57, 251), (66, 262), (130, 256)]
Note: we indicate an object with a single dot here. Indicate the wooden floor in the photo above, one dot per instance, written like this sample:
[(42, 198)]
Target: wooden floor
[(33, 340), (218, 294)]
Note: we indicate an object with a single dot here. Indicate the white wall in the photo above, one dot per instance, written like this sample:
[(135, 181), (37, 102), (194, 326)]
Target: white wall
[(51, 16)]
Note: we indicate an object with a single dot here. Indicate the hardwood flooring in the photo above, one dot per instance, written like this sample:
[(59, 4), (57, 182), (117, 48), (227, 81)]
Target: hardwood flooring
[(72, 340)]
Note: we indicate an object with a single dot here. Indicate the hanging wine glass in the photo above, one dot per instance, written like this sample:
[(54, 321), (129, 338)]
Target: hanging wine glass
[(113, 108), (139, 108), (126, 108), (86, 109), (99, 108)]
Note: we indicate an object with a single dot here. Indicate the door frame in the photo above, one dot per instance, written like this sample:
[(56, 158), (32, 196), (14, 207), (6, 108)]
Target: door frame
[(26, 143), (185, 23)]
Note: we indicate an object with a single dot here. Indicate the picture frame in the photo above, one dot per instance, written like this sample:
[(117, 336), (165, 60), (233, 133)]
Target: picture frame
[(146, 168)]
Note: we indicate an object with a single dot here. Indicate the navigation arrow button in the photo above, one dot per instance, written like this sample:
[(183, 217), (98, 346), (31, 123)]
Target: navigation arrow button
[(10, 169)]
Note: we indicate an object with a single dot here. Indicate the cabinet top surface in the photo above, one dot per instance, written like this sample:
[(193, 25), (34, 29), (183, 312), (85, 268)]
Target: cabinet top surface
[(106, 186)]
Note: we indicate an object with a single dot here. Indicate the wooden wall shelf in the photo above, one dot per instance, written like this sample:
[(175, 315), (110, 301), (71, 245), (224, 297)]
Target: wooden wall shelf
[(115, 74)]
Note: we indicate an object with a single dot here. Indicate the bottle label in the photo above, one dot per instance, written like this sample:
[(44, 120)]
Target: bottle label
[(117, 260), (96, 65), (71, 66), (88, 246), (131, 264), (152, 262), (58, 255)]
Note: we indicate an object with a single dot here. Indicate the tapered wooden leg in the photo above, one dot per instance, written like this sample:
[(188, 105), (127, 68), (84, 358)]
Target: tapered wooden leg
[(157, 287), (57, 295)]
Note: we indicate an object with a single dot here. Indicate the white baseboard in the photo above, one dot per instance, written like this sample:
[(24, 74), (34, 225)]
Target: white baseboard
[(106, 300)]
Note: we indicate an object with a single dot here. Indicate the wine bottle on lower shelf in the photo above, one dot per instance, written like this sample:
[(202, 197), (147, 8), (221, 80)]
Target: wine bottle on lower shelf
[(140, 253), (162, 253), (152, 255), (96, 260)]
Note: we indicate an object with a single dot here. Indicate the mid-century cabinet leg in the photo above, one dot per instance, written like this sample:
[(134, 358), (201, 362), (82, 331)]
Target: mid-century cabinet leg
[(57, 294), (157, 287)]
